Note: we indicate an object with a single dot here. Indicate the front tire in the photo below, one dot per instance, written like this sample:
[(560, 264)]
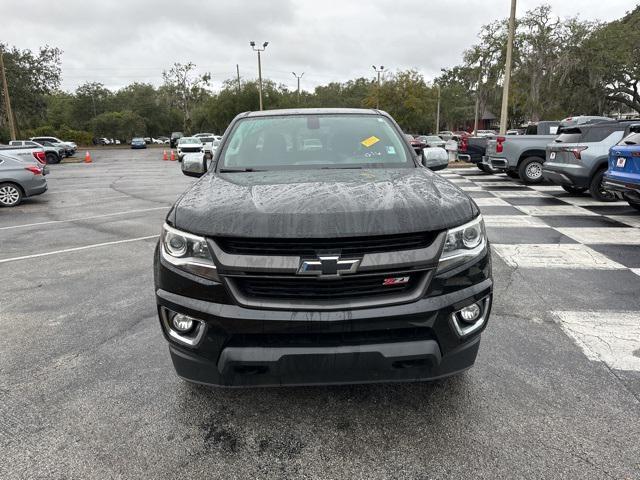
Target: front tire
[(597, 190), (10, 195), (530, 170)]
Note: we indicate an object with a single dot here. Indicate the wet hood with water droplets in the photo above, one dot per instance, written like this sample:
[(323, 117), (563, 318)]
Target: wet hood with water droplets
[(321, 203)]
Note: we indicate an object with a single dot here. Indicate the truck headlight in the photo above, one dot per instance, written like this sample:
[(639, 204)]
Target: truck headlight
[(187, 252), (463, 244)]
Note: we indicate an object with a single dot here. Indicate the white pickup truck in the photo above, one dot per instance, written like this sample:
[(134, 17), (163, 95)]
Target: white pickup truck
[(521, 156), (25, 153)]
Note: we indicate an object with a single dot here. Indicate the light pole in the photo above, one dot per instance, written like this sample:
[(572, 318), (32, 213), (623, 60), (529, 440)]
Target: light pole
[(507, 70), (438, 111), (298, 77), (7, 100), (477, 115), (378, 71), (258, 49)]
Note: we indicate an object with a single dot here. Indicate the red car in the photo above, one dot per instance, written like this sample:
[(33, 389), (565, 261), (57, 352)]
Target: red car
[(416, 144)]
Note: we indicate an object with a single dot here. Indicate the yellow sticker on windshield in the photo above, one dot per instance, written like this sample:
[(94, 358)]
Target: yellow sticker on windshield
[(368, 142)]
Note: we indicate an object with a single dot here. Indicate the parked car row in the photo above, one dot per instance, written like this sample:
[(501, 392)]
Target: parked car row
[(581, 154)]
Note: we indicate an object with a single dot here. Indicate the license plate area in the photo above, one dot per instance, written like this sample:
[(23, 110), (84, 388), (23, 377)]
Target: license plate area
[(621, 162), (552, 156)]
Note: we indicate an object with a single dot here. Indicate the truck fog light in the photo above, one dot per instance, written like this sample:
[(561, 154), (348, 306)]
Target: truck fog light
[(182, 323), (181, 328), (471, 313), (471, 318)]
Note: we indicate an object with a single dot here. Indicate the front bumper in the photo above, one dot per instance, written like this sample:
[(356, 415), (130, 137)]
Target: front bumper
[(243, 346)]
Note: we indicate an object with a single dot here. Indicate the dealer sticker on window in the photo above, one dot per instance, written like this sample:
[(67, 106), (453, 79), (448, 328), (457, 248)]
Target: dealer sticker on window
[(369, 142), (621, 162)]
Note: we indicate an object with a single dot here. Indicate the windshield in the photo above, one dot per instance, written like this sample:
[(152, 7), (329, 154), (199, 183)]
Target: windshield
[(569, 135), (207, 139), (431, 138), (184, 140), (138, 139), (314, 141), (632, 139)]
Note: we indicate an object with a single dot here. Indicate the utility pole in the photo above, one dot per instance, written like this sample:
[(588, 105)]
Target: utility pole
[(477, 115), (507, 70), (438, 112), (378, 71), (7, 100), (298, 78), (238, 74), (258, 49)]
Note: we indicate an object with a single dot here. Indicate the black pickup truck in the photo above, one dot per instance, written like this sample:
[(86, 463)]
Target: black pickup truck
[(317, 248)]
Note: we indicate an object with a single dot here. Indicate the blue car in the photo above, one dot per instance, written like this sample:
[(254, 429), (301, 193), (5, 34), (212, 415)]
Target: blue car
[(623, 175), (138, 143)]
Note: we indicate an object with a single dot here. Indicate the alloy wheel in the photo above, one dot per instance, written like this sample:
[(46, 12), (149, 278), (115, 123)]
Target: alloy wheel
[(9, 195), (534, 171)]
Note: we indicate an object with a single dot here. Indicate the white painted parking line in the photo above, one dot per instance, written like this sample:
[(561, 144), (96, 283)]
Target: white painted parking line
[(565, 210), (590, 202), (609, 337), (75, 249), (568, 256), (491, 202), (517, 193), (459, 179), (636, 271), (471, 189), (592, 236), (504, 183), (126, 212), (631, 220), (547, 188), (515, 221)]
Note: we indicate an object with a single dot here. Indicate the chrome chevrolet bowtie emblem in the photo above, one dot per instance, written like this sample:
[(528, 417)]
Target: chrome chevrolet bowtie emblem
[(328, 265)]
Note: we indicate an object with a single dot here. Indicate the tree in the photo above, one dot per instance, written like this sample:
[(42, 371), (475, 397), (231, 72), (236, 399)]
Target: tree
[(183, 89), (91, 100), (122, 125), (30, 76), (612, 57)]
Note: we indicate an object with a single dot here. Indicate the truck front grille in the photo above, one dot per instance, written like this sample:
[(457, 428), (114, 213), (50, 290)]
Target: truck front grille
[(341, 288), (305, 247)]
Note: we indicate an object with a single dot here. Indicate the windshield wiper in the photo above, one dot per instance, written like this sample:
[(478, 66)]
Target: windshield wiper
[(235, 170)]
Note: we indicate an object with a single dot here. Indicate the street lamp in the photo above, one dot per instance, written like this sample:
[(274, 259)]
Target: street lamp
[(258, 49), (298, 77), (378, 70)]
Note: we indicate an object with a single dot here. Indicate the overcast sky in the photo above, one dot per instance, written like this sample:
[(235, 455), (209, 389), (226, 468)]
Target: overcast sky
[(116, 42)]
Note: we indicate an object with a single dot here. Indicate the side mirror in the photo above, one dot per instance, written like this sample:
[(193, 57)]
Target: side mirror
[(194, 164)]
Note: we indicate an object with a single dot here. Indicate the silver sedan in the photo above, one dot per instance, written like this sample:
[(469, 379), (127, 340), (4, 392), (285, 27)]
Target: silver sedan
[(20, 179)]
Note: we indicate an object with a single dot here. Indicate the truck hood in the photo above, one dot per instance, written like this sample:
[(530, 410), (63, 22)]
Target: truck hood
[(321, 203)]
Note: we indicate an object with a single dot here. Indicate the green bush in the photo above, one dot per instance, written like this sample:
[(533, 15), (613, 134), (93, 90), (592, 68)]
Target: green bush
[(65, 133)]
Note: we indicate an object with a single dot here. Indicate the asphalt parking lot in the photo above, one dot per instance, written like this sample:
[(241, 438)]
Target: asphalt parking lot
[(87, 389)]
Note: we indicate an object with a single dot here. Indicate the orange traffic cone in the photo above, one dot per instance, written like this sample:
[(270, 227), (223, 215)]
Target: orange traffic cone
[(173, 156), (87, 157), (164, 155)]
